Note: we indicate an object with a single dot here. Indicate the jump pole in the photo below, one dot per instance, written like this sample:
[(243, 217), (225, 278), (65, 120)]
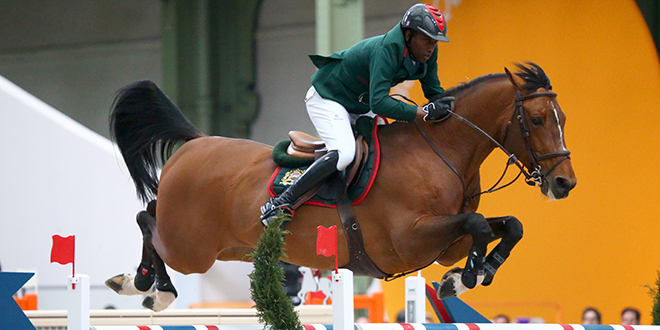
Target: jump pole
[(394, 326)]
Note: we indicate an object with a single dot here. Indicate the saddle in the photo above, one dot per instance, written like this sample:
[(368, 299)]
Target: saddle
[(306, 146), (342, 191)]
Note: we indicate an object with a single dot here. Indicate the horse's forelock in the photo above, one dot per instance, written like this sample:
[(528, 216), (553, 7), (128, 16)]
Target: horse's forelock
[(534, 77)]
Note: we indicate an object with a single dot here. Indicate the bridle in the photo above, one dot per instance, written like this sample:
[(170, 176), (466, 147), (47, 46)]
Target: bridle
[(534, 178)]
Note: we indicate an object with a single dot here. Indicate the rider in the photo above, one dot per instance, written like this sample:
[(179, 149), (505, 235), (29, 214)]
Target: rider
[(357, 80)]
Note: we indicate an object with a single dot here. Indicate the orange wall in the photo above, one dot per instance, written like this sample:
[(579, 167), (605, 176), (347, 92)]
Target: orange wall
[(599, 247)]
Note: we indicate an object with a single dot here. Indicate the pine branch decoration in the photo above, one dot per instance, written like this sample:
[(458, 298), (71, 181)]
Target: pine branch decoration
[(274, 307), (654, 292)]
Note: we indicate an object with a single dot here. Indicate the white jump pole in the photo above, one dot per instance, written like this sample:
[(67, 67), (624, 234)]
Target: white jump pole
[(342, 300), (78, 297), (415, 295)]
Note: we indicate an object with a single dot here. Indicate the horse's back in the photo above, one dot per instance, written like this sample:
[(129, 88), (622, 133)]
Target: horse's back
[(208, 200)]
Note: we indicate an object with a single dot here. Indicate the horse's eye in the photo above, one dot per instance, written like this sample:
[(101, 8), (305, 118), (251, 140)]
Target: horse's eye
[(537, 121)]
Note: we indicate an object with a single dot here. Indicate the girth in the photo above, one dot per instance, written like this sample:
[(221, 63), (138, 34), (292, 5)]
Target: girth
[(359, 262)]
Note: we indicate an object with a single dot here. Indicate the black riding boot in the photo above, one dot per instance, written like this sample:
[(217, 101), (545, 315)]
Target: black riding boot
[(316, 174)]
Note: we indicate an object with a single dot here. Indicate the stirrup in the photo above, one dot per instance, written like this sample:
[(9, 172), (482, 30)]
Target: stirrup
[(269, 211)]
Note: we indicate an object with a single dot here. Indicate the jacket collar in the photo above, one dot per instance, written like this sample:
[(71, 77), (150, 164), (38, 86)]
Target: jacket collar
[(396, 35)]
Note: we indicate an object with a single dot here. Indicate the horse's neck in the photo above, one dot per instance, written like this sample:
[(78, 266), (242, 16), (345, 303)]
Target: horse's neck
[(487, 107)]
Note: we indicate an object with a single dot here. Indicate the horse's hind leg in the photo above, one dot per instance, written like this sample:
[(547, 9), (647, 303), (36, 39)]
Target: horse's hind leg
[(145, 275), (165, 292), (511, 231), (126, 284)]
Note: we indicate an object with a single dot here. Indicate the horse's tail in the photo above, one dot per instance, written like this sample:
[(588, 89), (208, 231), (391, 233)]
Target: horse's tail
[(146, 126)]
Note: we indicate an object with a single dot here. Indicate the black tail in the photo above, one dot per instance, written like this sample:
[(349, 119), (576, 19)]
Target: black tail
[(146, 126)]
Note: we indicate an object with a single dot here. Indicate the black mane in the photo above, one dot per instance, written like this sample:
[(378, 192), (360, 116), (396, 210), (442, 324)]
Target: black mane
[(533, 75), (455, 90)]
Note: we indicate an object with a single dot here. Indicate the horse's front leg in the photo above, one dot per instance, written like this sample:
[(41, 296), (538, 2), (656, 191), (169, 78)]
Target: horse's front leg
[(511, 231), (453, 233), (482, 234)]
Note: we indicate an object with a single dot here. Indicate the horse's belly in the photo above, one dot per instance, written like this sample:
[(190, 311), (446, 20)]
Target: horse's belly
[(208, 200)]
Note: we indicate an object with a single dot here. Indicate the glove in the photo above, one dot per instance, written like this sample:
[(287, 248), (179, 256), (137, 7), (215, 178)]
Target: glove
[(439, 109)]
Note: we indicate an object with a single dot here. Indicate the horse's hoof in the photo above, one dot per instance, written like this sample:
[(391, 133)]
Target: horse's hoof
[(158, 301), (452, 284), (115, 283), (123, 284), (148, 302)]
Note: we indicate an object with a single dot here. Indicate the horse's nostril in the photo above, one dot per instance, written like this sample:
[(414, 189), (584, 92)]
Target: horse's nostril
[(562, 184)]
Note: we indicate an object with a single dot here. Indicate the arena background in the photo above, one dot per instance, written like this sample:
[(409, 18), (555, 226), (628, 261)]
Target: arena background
[(597, 248)]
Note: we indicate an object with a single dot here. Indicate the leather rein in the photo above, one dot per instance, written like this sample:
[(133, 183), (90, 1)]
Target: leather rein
[(534, 178)]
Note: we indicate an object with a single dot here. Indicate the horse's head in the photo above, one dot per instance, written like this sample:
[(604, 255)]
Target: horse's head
[(536, 136)]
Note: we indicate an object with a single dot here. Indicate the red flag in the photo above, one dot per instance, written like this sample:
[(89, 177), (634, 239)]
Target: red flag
[(63, 250), (326, 241)]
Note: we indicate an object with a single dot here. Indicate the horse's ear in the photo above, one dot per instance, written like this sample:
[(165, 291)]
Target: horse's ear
[(515, 80)]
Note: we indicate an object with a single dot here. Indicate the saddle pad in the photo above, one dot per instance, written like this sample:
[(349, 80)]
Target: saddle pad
[(284, 176)]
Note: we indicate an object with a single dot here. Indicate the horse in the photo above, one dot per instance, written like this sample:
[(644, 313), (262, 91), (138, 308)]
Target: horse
[(420, 210)]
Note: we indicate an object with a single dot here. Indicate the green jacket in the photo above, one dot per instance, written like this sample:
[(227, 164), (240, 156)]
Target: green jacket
[(360, 78)]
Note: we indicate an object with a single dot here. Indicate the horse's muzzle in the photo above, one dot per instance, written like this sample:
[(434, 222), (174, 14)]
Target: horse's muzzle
[(558, 187)]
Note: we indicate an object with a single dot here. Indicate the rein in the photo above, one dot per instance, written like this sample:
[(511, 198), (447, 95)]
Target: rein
[(534, 178)]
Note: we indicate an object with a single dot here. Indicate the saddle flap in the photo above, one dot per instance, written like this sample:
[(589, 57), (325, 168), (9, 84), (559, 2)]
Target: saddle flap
[(361, 157)]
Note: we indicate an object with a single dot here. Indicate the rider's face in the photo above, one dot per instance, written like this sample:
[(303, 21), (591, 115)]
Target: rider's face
[(421, 46)]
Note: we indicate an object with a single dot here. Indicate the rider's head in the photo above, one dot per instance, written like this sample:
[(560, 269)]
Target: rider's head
[(423, 26)]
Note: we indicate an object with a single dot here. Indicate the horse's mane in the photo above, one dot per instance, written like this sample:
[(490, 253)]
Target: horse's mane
[(533, 75), (467, 85)]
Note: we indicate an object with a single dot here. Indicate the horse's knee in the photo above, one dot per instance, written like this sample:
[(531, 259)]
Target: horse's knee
[(477, 226), (514, 230)]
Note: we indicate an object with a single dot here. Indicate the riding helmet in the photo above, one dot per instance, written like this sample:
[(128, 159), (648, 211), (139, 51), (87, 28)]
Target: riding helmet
[(426, 19)]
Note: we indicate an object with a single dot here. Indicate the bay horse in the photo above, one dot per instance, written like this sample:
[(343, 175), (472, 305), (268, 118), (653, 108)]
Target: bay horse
[(421, 207)]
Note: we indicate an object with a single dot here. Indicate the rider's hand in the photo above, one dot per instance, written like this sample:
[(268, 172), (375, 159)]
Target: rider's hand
[(438, 110)]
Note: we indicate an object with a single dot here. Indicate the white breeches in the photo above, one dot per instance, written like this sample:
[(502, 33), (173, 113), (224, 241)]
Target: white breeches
[(333, 123)]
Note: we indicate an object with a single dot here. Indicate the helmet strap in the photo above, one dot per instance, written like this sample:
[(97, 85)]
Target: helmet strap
[(408, 40), (410, 36)]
